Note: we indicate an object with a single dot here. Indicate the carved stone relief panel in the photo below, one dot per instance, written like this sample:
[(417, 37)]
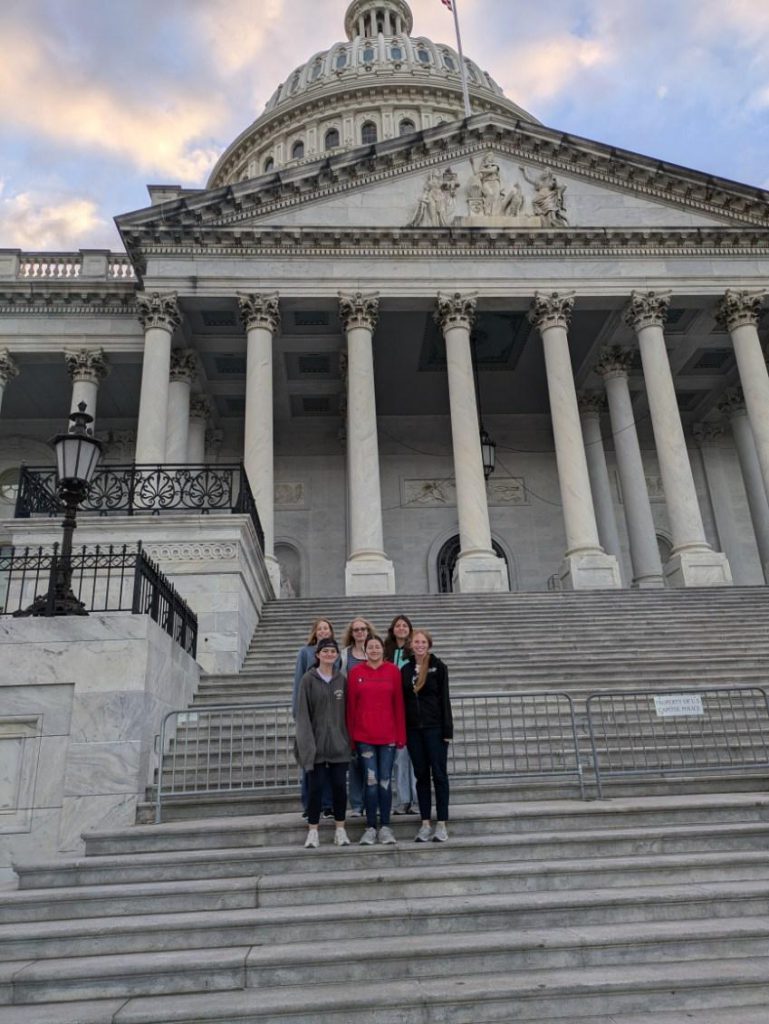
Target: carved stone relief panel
[(434, 493), (290, 495)]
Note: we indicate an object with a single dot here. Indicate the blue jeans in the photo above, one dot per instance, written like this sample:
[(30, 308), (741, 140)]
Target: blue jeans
[(405, 781), (377, 764), (355, 784), (429, 755)]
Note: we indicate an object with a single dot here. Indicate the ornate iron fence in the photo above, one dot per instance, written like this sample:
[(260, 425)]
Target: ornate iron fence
[(145, 490), (105, 578), (250, 747), (685, 731)]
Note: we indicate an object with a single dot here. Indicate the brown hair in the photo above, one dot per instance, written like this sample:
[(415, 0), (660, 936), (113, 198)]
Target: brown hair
[(425, 666), (313, 637), (348, 638), (391, 644)]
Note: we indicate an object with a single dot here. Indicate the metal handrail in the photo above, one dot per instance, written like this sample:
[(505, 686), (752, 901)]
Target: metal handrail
[(638, 735), (250, 747)]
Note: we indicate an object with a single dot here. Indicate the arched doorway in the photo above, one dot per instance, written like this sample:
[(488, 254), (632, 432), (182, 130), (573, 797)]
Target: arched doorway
[(447, 560)]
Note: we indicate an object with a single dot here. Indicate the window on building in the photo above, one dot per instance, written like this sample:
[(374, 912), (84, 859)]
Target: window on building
[(331, 140), (297, 151), (269, 163), (368, 133), (396, 53), (471, 72), (316, 70), (294, 83), (406, 127), (448, 62), (423, 55), (341, 60), (369, 54)]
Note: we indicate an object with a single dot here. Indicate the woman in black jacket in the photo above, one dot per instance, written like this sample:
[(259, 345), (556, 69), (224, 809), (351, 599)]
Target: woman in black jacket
[(429, 730)]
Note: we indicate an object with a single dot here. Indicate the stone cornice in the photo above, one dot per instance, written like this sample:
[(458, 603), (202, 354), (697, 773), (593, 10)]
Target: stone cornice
[(456, 310), (740, 309), (647, 309), (614, 361), (86, 364), (159, 310), (359, 309), (553, 310), (40, 300), (260, 310)]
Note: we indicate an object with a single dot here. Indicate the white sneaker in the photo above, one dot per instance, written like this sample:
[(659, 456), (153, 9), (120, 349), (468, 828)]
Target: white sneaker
[(386, 836), (440, 835), (341, 838), (424, 835), (312, 842), (368, 838)]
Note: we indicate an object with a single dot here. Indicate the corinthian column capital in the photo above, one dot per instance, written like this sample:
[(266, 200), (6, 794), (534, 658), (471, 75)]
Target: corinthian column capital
[(647, 309), (86, 364), (553, 310), (260, 309), (184, 365), (456, 310), (732, 403), (739, 309), (8, 367), (359, 309), (200, 407), (614, 361), (158, 309), (591, 403)]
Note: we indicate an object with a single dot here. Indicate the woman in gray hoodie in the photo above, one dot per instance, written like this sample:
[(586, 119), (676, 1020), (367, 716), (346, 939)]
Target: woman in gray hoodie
[(322, 743)]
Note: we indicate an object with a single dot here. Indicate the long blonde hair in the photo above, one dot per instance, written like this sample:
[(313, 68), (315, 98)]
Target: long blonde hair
[(313, 637), (425, 666), (349, 639)]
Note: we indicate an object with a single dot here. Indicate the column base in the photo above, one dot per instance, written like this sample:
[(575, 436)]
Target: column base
[(590, 570), (700, 568), (480, 574), (369, 576)]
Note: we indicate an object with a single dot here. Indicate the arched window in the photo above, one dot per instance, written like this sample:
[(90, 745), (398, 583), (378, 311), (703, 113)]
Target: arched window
[(368, 133), (423, 55), (341, 60), (471, 72), (448, 62), (316, 70), (297, 151), (406, 127), (331, 140), (396, 53), (269, 163), (368, 55), (294, 83)]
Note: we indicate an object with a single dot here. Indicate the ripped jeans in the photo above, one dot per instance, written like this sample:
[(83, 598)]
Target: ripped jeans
[(377, 767)]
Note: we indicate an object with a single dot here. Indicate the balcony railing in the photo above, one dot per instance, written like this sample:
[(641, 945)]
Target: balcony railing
[(110, 578), (62, 266), (145, 490)]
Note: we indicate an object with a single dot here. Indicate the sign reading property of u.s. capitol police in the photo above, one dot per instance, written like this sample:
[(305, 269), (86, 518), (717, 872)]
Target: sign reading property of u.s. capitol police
[(675, 705)]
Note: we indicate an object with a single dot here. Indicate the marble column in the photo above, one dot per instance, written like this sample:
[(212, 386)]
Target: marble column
[(8, 370), (613, 366), (184, 370), (368, 569), (739, 312), (591, 405), (478, 568), (586, 566), (734, 409), (200, 413), (159, 316), (692, 563), (87, 368), (260, 313)]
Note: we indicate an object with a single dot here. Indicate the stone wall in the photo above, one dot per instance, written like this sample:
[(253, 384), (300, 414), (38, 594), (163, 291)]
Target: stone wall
[(81, 701)]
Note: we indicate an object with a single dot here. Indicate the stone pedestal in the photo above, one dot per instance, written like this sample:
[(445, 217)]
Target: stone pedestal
[(364, 575), (479, 573), (589, 571), (698, 569)]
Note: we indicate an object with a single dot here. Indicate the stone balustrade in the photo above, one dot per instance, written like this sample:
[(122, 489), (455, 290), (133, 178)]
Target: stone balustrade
[(91, 264)]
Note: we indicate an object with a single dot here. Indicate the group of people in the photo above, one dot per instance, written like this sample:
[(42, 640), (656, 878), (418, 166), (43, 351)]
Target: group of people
[(363, 712)]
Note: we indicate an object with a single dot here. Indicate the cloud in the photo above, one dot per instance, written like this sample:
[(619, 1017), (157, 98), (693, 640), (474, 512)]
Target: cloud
[(544, 69), (237, 30), (34, 220)]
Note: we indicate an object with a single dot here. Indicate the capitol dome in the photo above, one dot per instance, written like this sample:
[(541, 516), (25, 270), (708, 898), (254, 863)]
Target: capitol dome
[(380, 83)]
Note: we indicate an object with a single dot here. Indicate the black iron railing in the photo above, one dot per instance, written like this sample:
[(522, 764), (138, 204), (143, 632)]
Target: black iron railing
[(109, 578), (145, 490)]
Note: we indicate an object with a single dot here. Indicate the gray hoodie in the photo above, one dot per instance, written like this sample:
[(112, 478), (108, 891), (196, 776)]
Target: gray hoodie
[(321, 731)]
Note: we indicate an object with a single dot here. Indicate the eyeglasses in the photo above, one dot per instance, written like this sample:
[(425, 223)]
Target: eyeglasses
[(360, 629)]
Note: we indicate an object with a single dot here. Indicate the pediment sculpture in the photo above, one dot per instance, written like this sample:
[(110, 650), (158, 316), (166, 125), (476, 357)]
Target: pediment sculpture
[(490, 201)]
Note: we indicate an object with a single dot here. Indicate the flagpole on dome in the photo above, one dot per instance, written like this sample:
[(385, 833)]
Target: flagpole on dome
[(452, 6)]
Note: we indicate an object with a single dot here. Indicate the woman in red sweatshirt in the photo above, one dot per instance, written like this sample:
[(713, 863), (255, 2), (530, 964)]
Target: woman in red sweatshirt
[(376, 723)]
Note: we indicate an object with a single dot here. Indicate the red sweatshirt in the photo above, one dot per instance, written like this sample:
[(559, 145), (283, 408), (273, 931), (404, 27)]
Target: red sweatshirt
[(375, 705)]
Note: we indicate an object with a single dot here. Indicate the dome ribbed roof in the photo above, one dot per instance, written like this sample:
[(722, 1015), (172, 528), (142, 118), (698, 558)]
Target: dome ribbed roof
[(384, 66)]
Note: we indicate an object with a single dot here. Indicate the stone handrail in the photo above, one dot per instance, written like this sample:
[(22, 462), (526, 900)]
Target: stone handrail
[(91, 264)]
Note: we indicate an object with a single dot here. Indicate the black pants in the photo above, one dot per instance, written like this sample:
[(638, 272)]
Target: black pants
[(322, 774), (429, 754)]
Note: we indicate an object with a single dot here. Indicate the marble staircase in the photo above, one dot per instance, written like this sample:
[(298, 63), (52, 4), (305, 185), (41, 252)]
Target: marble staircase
[(646, 910)]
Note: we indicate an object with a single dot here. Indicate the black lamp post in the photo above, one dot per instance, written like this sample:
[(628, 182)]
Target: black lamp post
[(77, 456)]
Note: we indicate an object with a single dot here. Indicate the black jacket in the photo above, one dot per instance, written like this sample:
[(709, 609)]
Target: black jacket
[(431, 707)]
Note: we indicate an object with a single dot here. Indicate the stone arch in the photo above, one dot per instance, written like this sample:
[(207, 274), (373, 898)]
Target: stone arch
[(664, 545), (449, 537), (292, 568)]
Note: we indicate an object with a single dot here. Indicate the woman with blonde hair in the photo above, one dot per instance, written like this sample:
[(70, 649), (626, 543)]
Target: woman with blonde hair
[(429, 730)]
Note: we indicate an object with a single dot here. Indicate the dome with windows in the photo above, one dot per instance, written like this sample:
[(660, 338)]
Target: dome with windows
[(382, 82)]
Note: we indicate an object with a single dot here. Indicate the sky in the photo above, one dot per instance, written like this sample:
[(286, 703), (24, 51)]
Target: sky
[(98, 98)]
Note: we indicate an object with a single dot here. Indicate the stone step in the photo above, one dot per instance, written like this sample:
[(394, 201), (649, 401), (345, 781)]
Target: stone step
[(543, 996), (506, 912), (348, 962)]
